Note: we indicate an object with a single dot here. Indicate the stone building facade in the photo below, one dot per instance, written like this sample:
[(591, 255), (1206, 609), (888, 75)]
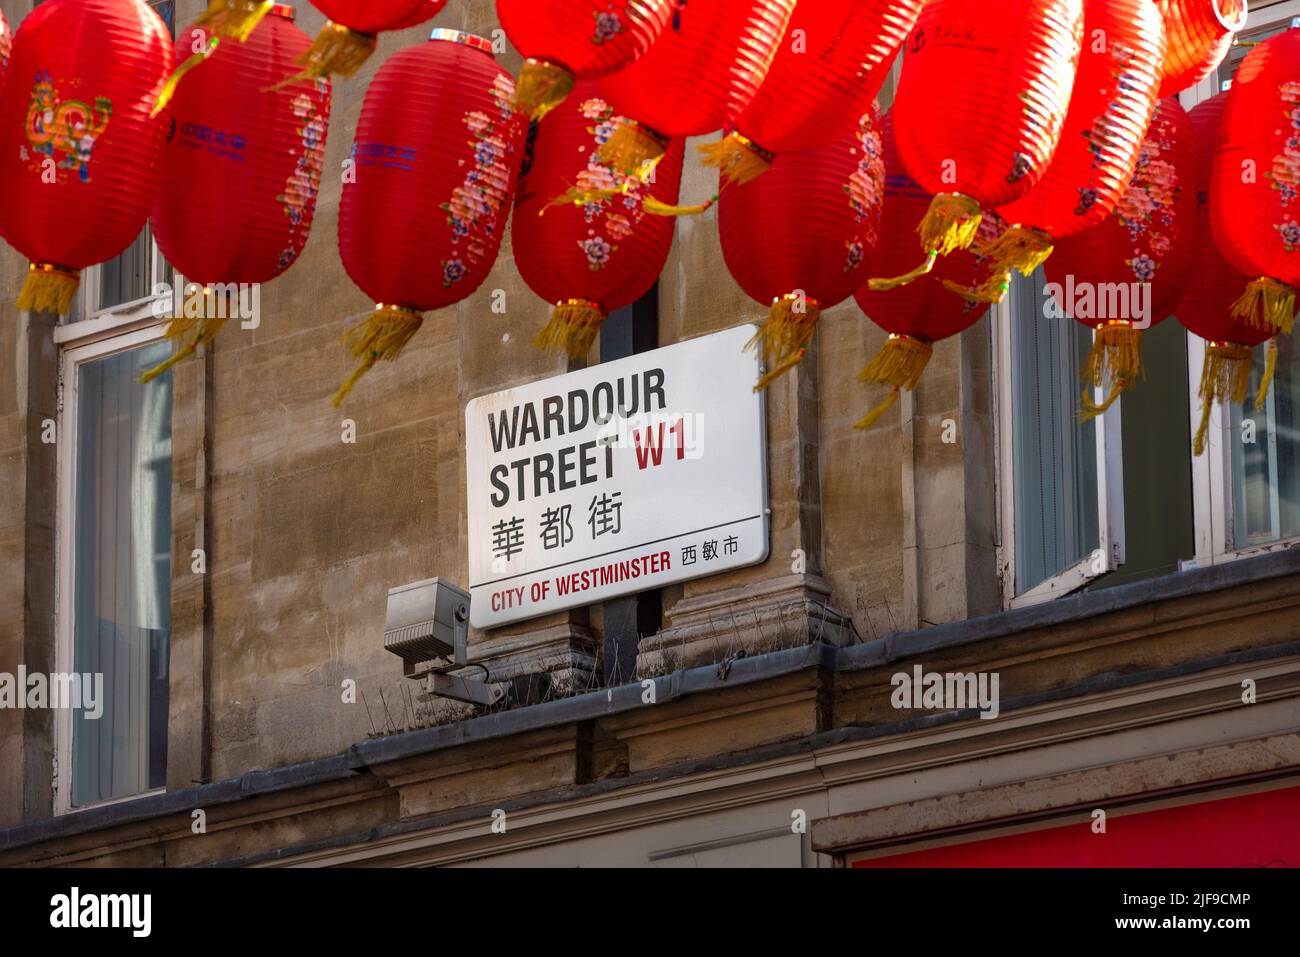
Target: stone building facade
[(771, 738)]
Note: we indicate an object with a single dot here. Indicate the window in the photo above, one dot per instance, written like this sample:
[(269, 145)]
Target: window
[(1247, 484), (1085, 509), (1061, 494), (114, 565), (1266, 471)]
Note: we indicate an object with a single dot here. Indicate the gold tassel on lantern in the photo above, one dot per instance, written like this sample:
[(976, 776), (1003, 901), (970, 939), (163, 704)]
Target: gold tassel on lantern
[(951, 223), (581, 197), (1115, 358), (1267, 304), (193, 61), (1266, 380), (49, 288), (1019, 248), (737, 158), (657, 208), (382, 336), (899, 364), (199, 329), (784, 336), (630, 147), (236, 19), (572, 328), (336, 51), (542, 86), (225, 19), (1225, 377)]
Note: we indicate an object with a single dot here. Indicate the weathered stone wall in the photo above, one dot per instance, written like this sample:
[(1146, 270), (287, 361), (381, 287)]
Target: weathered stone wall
[(304, 533)]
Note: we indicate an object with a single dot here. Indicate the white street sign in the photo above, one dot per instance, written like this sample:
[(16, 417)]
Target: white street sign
[(616, 479)]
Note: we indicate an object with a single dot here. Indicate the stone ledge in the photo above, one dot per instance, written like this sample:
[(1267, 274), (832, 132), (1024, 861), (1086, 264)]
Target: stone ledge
[(773, 614)]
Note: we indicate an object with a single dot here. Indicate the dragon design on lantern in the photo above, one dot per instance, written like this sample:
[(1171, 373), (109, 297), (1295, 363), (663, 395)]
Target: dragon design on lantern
[(67, 128)]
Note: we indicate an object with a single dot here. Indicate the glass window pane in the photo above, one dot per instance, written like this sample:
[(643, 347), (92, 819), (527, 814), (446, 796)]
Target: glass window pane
[(122, 573), (1054, 456), (1266, 471), (127, 278), (167, 10)]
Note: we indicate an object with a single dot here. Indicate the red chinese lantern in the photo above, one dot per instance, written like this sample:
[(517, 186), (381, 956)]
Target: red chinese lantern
[(599, 255), (351, 34), (696, 78), (918, 314), (78, 149), (981, 103), (1256, 213), (566, 40), (825, 75), (1130, 271), (437, 151), (1206, 307), (800, 238), (6, 47), (1111, 106), (241, 169), (916, 317), (1199, 34)]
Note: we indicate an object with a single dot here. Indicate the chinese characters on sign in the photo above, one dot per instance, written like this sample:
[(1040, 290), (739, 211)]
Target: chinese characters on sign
[(623, 477)]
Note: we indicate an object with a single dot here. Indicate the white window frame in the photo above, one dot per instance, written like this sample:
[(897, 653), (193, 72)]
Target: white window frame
[(1110, 552), (145, 308), (79, 343), (1213, 501)]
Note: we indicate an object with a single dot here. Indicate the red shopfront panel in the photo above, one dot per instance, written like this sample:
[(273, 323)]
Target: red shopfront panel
[(1254, 830)]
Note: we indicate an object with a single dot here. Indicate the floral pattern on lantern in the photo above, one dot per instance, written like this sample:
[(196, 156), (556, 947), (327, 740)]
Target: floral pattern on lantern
[(598, 245)]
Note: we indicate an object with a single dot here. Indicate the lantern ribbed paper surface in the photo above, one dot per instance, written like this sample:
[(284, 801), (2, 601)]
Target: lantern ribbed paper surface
[(826, 73), (349, 37), (697, 77), (1198, 34), (1206, 307), (437, 151), (78, 150), (567, 40), (1256, 214), (918, 314), (982, 100), (591, 258), (1133, 268), (1111, 106), (241, 169), (801, 237)]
